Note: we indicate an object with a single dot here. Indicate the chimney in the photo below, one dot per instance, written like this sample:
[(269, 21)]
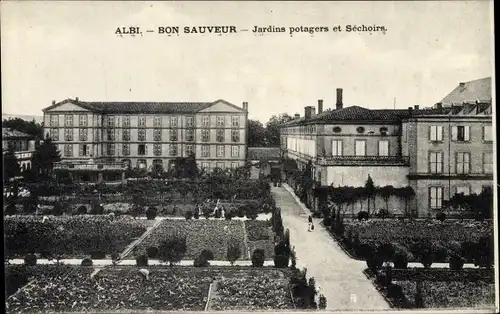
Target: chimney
[(439, 106), (245, 106), (416, 107), (313, 110), (339, 103), (297, 116), (76, 99), (53, 102), (320, 106), (462, 84), (307, 112), (410, 111)]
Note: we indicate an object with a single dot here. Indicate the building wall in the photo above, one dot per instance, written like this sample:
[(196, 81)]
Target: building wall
[(357, 176)]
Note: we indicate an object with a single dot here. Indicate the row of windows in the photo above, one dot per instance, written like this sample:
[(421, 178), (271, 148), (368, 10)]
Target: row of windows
[(110, 121), (436, 195), (141, 135), (459, 133), (158, 163), (359, 148), (142, 149), (462, 162)]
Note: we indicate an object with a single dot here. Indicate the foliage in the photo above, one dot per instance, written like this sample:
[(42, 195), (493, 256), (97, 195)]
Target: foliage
[(233, 251), (473, 205), (31, 128), (141, 260), (188, 215), (87, 262), (456, 262), (258, 257), (11, 168), (369, 191), (44, 157), (30, 260), (152, 252), (362, 215), (82, 210), (441, 216), (173, 249), (322, 302), (151, 213)]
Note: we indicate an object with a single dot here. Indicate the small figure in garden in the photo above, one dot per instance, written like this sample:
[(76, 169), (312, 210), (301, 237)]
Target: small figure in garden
[(145, 274), (310, 226)]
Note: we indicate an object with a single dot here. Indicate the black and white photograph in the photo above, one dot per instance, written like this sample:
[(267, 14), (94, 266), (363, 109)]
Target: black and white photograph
[(249, 156)]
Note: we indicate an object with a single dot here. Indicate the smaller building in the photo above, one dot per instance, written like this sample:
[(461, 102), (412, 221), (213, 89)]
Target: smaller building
[(265, 162), (23, 145)]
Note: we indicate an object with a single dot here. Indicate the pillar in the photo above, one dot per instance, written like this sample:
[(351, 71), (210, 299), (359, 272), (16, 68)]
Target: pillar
[(123, 177), (100, 177)]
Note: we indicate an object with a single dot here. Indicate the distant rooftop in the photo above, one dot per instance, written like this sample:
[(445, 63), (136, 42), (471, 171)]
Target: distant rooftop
[(11, 133), (263, 153), (472, 91)]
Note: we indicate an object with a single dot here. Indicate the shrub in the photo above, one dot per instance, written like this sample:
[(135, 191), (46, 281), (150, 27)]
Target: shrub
[(322, 302), (30, 260), (141, 260), (98, 255), (218, 213), (456, 262), (10, 209), (82, 210), (188, 215), (97, 209), (395, 292), (383, 213), (439, 251), (374, 263), (201, 261), (441, 216), (172, 250), (152, 252), (196, 214), (228, 216), (115, 256), (281, 261), (365, 250), (258, 258), (233, 251), (207, 254), (87, 262), (58, 209), (381, 279), (362, 215), (426, 258), (386, 252), (241, 213), (401, 260), (151, 213), (419, 300)]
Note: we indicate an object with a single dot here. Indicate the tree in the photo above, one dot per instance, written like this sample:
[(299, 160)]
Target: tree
[(273, 128), (233, 251), (173, 249), (44, 157), (28, 127), (369, 191), (11, 167), (386, 192), (257, 134), (405, 193)]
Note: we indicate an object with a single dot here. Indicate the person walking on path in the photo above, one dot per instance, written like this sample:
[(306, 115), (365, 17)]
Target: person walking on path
[(310, 226)]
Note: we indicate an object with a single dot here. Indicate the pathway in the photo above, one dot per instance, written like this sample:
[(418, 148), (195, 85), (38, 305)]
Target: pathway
[(126, 262), (338, 277)]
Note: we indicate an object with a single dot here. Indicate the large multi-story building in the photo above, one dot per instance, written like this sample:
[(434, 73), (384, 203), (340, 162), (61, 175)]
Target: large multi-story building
[(438, 152), (147, 134), (22, 144)]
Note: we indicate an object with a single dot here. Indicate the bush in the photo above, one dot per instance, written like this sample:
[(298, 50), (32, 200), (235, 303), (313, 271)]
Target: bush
[(115, 256), (374, 263), (203, 259), (395, 292), (152, 252), (173, 249), (58, 209), (218, 214), (281, 261), (456, 262), (401, 260), (439, 251), (196, 214), (228, 216), (322, 302), (30, 260), (382, 279), (386, 252), (87, 262), (97, 210), (82, 210), (233, 251), (98, 255), (441, 216), (151, 213), (142, 260), (207, 254), (258, 258), (362, 215), (383, 213), (188, 215), (10, 209), (426, 258)]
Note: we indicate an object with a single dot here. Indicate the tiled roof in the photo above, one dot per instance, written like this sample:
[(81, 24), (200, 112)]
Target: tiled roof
[(477, 90), (139, 107), (263, 153), (11, 133)]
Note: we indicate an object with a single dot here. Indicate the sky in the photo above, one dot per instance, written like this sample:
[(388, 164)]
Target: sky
[(58, 50)]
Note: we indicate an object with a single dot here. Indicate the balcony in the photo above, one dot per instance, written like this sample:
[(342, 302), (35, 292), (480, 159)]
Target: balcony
[(363, 161), (90, 166)]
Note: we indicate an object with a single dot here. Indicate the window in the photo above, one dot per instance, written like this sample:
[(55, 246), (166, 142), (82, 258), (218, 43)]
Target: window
[(235, 151), (220, 120), (111, 121), (141, 149), (360, 148), (234, 165), (83, 133), (68, 134), (436, 133), (173, 122), (220, 165), (126, 134), (189, 135), (205, 135), (142, 121), (68, 120), (219, 136), (96, 120), (189, 122), (435, 197), (157, 135), (157, 149), (111, 149), (406, 129), (157, 121), (336, 148), (435, 162), (235, 121), (84, 151), (142, 164), (463, 162), (173, 135), (97, 135), (383, 148), (68, 150), (205, 121), (487, 133), (141, 135), (220, 151), (488, 162), (463, 189), (54, 120), (173, 149), (83, 120), (460, 133), (205, 165), (54, 134), (189, 150), (157, 164), (235, 136), (126, 149), (126, 121), (111, 134), (205, 151)]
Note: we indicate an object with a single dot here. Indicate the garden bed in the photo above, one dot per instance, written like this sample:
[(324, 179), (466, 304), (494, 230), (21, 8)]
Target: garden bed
[(442, 288), (70, 236)]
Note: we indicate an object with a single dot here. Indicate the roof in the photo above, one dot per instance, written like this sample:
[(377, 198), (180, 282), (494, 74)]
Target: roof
[(477, 90), (141, 107), (263, 153), (11, 133)]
